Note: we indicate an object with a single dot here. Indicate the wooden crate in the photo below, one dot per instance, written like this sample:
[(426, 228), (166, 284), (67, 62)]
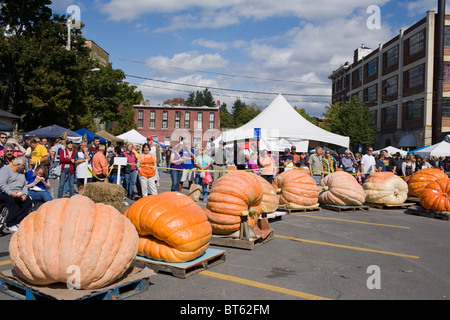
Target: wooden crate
[(284, 208), (343, 208), (390, 206), (137, 281), (418, 210), (236, 242), (183, 270)]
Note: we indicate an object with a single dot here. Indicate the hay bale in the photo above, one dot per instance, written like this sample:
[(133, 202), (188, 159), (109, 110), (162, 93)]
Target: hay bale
[(107, 193)]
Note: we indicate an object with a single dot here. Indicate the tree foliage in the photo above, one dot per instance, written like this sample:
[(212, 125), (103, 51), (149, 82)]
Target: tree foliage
[(200, 99), (351, 119), (43, 82)]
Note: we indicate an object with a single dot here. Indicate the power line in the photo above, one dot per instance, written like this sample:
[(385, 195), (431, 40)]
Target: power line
[(225, 89), (232, 75)]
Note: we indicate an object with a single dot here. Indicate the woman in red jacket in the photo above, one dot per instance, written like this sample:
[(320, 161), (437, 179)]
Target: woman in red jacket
[(67, 160)]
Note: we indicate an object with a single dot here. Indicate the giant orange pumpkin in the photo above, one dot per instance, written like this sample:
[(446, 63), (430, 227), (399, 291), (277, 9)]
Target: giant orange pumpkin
[(171, 227), (232, 194), (74, 234), (296, 188), (341, 188), (436, 195), (269, 201), (421, 178), (385, 188)]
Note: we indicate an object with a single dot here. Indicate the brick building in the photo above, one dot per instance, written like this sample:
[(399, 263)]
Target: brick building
[(172, 124), (396, 82)]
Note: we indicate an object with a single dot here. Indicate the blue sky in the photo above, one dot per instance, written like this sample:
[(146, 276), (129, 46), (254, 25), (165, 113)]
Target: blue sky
[(247, 49)]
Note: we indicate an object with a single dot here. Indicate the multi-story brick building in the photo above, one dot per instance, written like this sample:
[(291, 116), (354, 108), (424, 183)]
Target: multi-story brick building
[(172, 124), (396, 82)]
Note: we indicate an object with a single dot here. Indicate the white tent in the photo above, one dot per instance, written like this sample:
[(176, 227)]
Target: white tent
[(133, 136), (441, 149), (391, 150), (281, 121)]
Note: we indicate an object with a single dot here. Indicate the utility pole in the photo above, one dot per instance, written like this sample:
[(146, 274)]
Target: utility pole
[(438, 74), (69, 28)]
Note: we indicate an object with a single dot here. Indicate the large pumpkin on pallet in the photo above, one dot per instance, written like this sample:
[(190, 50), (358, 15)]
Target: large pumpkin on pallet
[(269, 201), (385, 188), (341, 188), (296, 189), (232, 194), (171, 227), (436, 195), (421, 178), (70, 234)]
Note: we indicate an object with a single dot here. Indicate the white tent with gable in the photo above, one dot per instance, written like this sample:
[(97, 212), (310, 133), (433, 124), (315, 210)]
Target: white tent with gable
[(282, 126), (391, 150), (441, 149), (133, 136)]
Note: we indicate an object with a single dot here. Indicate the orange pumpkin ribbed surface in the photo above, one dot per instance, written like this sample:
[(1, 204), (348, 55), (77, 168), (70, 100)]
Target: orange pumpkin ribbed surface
[(341, 188), (171, 227), (232, 194), (436, 195), (269, 201), (421, 178), (74, 233), (296, 187)]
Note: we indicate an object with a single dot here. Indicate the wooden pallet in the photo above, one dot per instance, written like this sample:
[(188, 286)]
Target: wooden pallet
[(236, 242), (12, 285), (413, 200), (183, 270), (303, 209), (420, 211), (390, 206), (343, 208)]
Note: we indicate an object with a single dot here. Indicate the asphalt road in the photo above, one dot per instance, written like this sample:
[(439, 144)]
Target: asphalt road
[(363, 255)]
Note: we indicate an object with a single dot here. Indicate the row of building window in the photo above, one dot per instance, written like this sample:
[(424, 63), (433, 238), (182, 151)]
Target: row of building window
[(165, 114)]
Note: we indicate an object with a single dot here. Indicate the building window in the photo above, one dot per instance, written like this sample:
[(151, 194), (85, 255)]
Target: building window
[(414, 109), (391, 57), (187, 120), (390, 86), (372, 93), (152, 120), (199, 120), (360, 74), (446, 71), (371, 67), (415, 76), (140, 121), (416, 43), (164, 119), (167, 141), (177, 119), (211, 120), (390, 115), (445, 107), (447, 36)]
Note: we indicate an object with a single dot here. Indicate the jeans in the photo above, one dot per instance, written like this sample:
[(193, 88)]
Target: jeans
[(66, 175), (317, 178), (268, 178), (176, 178), (130, 181), (113, 179), (199, 180), (43, 196)]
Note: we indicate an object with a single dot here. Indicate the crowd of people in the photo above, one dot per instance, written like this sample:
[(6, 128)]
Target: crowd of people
[(27, 164)]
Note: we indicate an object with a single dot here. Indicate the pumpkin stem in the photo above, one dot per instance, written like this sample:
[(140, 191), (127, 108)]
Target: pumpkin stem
[(251, 211), (278, 190), (445, 195), (324, 188)]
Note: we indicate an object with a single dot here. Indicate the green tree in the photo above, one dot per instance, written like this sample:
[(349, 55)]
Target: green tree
[(354, 120), (305, 115), (226, 119), (200, 99), (243, 113)]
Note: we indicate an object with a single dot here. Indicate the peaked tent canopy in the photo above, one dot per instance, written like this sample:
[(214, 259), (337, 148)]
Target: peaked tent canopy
[(90, 135), (133, 136), (281, 121), (55, 131), (108, 136), (391, 150), (441, 149), (5, 127)]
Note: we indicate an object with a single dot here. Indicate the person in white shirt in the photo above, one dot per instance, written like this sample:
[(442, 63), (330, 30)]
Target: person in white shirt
[(368, 163)]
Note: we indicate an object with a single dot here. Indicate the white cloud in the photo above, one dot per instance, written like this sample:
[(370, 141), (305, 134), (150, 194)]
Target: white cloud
[(419, 7)]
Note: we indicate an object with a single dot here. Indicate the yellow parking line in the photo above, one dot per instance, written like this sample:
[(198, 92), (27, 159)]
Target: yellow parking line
[(264, 286), (353, 221), (348, 247), (2, 263)]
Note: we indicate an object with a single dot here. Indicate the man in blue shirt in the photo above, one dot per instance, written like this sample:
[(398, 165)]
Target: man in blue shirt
[(188, 165)]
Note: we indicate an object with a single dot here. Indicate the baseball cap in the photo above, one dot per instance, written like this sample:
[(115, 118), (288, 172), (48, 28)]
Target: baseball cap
[(287, 150), (149, 138)]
